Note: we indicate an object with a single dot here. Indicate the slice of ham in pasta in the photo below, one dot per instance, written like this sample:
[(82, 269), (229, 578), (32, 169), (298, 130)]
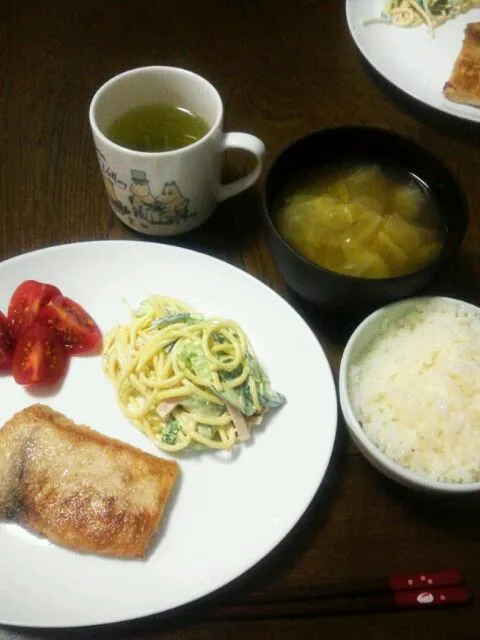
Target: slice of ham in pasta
[(239, 423)]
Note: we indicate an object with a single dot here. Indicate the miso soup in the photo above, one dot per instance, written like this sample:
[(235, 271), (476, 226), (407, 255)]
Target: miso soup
[(365, 221)]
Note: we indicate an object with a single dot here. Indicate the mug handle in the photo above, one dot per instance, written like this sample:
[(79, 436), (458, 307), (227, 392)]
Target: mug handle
[(237, 140)]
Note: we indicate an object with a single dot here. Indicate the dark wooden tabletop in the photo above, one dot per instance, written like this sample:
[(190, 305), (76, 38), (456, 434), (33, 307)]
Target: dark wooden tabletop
[(283, 69)]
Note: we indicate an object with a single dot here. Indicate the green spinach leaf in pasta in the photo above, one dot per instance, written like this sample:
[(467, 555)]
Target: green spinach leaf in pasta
[(172, 318), (239, 397), (171, 431), (267, 397), (439, 6), (226, 376)]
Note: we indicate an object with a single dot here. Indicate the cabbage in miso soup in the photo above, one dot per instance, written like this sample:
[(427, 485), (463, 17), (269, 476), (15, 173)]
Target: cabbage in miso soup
[(361, 221)]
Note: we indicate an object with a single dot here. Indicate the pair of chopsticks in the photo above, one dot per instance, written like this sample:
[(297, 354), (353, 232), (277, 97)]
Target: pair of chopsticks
[(393, 593)]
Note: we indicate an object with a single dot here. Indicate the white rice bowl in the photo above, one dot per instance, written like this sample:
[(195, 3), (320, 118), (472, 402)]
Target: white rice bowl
[(410, 392)]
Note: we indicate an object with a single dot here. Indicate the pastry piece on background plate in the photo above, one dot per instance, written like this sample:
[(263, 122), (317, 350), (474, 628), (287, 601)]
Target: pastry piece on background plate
[(463, 85), (79, 488)]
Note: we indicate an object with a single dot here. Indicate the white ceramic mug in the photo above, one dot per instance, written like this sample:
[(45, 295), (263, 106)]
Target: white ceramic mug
[(169, 192)]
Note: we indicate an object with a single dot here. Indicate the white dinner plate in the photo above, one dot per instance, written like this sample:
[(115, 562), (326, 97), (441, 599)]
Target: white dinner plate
[(228, 511), (410, 58)]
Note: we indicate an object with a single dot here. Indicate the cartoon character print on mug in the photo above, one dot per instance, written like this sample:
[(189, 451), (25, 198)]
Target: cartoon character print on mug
[(169, 206)]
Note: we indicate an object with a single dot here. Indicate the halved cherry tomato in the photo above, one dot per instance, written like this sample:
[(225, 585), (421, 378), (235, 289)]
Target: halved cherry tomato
[(7, 343), (25, 303), (39, 356), (76, 328)]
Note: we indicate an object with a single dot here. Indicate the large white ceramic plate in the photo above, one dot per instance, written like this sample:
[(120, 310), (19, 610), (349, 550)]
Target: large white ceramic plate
[(228, 511), (410, 58)]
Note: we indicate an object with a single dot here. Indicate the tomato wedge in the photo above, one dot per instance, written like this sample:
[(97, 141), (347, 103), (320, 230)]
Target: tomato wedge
[(76, 328), (25, 303), (7, 343), (39, 356)]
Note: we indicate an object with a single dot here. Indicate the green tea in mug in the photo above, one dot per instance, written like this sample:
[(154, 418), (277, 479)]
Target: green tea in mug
[(157, 127)]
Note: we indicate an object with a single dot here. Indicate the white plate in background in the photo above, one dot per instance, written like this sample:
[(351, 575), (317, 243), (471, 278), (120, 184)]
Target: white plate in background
[(410, 58)]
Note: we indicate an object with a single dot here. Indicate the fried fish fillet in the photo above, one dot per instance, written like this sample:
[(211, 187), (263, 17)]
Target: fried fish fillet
[(464, 83), (13, 439), (79, 488)]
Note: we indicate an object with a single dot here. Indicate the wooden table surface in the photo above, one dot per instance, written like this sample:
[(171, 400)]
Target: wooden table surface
[(283, 69)]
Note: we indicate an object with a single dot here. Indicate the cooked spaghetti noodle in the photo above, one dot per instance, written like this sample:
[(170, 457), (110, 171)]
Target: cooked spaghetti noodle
[(433, 13), (186, 380)]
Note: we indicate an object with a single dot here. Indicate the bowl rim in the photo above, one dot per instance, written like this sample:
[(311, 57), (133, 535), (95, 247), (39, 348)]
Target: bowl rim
[(387, 465), (446, 251)]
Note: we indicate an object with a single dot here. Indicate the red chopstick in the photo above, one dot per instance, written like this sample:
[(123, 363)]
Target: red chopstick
[(367, 586), (437, 589), (396, 600)]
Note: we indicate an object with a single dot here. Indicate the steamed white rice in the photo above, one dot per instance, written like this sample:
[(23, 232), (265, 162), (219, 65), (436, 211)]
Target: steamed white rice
[(416, 391)]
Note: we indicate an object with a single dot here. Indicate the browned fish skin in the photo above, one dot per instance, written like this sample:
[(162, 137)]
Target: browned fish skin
[(13, 439), (84, 490)]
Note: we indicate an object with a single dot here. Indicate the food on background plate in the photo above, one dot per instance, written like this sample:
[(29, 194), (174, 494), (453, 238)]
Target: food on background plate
[(412, 13), (186, 380), (79, 488), (364, 220), (42, 328), (415, 389), (463, 85)]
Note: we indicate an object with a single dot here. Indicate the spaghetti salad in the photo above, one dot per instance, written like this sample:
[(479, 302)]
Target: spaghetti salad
[(411, 13), (186, 380)]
